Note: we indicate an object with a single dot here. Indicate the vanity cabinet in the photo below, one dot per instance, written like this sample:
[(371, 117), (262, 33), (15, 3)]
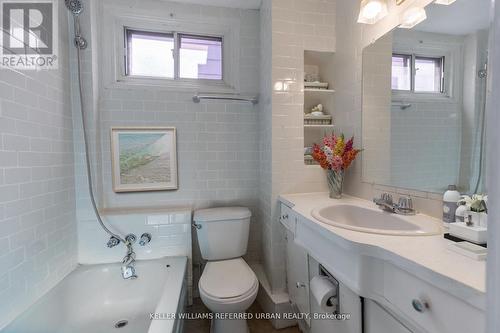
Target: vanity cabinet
[(378, 320), (297, 268), (297, 274), (433, 309)]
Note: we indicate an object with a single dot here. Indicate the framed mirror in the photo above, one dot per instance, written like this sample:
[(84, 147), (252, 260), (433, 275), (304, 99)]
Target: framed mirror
[(424, 95)]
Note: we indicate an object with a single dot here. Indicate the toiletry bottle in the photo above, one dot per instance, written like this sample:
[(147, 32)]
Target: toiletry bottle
[(450, 204), (461, 212)]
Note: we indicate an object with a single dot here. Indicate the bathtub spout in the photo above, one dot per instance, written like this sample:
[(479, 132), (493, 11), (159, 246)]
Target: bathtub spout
[(128, 267), (128, 272)]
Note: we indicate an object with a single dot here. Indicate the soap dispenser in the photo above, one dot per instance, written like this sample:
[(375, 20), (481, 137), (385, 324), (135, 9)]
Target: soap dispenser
[(450, 204)]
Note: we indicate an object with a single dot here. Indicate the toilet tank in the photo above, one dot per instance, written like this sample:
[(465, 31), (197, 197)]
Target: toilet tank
[(222, 232)]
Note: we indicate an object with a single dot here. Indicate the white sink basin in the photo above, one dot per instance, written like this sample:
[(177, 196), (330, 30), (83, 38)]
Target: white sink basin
[(375, 221)]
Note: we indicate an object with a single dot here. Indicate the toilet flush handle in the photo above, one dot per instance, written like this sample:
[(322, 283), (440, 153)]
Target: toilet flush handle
[(196, 225)]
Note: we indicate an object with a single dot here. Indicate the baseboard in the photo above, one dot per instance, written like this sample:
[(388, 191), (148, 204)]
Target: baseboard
[(272, 303)]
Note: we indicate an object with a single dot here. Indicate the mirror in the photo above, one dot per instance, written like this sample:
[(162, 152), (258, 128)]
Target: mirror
[(424, 92)]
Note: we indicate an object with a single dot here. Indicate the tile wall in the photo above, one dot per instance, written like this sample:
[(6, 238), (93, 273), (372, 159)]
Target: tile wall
[(37, 196)]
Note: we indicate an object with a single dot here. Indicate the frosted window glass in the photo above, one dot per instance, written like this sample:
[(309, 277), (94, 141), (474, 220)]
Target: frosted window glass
[(150, 54), (200, 57), (428, 74), (401, 72)]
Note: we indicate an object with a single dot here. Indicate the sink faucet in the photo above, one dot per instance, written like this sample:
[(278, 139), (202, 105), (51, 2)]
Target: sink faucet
[(403, 207)]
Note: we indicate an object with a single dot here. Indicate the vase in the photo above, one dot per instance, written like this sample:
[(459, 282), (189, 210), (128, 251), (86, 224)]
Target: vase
[(335, 183)]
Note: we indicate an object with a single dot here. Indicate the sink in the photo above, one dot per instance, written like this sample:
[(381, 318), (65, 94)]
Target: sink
[(375, 221)]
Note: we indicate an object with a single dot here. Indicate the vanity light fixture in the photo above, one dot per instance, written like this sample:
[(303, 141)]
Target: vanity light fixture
[(444, 2), (372, 11), (412, 17)]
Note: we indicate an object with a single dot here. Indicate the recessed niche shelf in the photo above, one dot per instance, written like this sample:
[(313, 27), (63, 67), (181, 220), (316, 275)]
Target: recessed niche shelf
[(319, 126), (326, 91), (318, 66)]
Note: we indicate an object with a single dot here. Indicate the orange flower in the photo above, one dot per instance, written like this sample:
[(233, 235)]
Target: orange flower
[(349, 157)]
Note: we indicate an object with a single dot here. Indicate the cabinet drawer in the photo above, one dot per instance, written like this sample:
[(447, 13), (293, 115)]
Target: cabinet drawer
[(431, 308), (287, 218)]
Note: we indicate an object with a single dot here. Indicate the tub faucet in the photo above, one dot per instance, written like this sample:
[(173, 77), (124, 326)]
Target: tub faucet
[(128, 267)]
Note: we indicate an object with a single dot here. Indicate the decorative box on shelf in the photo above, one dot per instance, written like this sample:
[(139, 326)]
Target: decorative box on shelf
[(317, 120), (316, 85), (308, 160)]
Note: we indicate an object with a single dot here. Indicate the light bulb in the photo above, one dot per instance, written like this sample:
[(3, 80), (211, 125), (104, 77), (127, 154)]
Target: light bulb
[(444, 2), (372, 11), (412, 17)]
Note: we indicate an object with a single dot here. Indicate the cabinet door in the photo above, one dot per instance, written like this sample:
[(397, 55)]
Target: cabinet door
[(377, 320), (297, 274)]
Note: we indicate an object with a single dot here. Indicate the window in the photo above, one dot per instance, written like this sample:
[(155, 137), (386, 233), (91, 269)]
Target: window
[(173, 55), (417, 73), (200, 57), (429, 74), (401, 72), (150, 54)]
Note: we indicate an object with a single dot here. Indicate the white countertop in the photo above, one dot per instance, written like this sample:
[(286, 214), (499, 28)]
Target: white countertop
[(427, 252)]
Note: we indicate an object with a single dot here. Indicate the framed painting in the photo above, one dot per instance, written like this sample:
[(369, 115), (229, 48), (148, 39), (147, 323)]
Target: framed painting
[(144, 159)]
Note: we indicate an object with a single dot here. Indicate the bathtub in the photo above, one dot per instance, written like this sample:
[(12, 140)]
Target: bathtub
[(95, 299)]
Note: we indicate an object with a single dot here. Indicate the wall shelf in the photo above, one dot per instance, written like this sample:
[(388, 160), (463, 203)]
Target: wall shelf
[(326, 91), (318, 66), (319, 126)]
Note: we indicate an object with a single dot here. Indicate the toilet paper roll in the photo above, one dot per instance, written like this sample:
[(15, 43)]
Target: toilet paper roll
[(324, 292)]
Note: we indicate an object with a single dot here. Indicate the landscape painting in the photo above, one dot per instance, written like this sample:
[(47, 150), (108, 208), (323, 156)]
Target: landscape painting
[(144, 159)]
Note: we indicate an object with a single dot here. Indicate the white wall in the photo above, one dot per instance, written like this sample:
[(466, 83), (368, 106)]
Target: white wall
[(217, 142), (37, 199), (294, 26)]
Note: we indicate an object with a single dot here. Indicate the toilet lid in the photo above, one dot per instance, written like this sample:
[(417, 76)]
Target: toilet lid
[(227, 279)]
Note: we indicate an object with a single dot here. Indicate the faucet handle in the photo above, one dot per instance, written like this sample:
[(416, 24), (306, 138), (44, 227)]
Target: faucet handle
[(387, 198), (145, 239), (405, 203), (113, 241)]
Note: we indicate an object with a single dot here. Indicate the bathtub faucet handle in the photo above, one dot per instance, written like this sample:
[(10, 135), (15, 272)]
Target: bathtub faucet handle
[(145, 239), (113, 241)]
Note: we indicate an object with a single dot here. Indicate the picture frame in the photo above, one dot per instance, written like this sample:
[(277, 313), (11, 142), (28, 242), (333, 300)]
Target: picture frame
[(144, 159)]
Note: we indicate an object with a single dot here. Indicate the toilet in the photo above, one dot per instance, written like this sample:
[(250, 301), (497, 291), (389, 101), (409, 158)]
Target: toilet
[(228, 286)]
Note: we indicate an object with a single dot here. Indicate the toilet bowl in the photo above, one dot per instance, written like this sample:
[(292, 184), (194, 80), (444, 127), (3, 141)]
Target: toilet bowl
[(228, 286)]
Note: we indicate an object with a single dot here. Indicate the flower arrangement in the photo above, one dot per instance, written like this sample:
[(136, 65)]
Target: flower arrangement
[(335, 155), (476, 203)]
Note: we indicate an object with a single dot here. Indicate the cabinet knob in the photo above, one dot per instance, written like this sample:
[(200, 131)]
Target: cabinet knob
[(420, 305), (300, 285)]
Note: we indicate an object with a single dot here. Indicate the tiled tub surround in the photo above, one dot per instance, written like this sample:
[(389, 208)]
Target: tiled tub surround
[(217, 141), (38, 232)]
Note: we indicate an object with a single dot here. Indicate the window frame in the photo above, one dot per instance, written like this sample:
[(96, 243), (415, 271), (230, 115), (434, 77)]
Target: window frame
[(113, 51), (176, 36), (413, 73)]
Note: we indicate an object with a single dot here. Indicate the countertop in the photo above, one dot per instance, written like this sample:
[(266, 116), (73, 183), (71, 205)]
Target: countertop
[(430, 253)]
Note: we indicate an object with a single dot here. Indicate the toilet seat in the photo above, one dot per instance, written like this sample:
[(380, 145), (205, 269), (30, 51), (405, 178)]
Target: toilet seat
[(228, 281)]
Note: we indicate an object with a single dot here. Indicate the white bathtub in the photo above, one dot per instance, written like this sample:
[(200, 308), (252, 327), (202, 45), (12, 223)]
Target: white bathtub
[(93, 298)]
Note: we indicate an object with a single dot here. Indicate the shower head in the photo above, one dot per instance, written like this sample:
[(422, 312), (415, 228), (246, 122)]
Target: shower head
[(74, 6)]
